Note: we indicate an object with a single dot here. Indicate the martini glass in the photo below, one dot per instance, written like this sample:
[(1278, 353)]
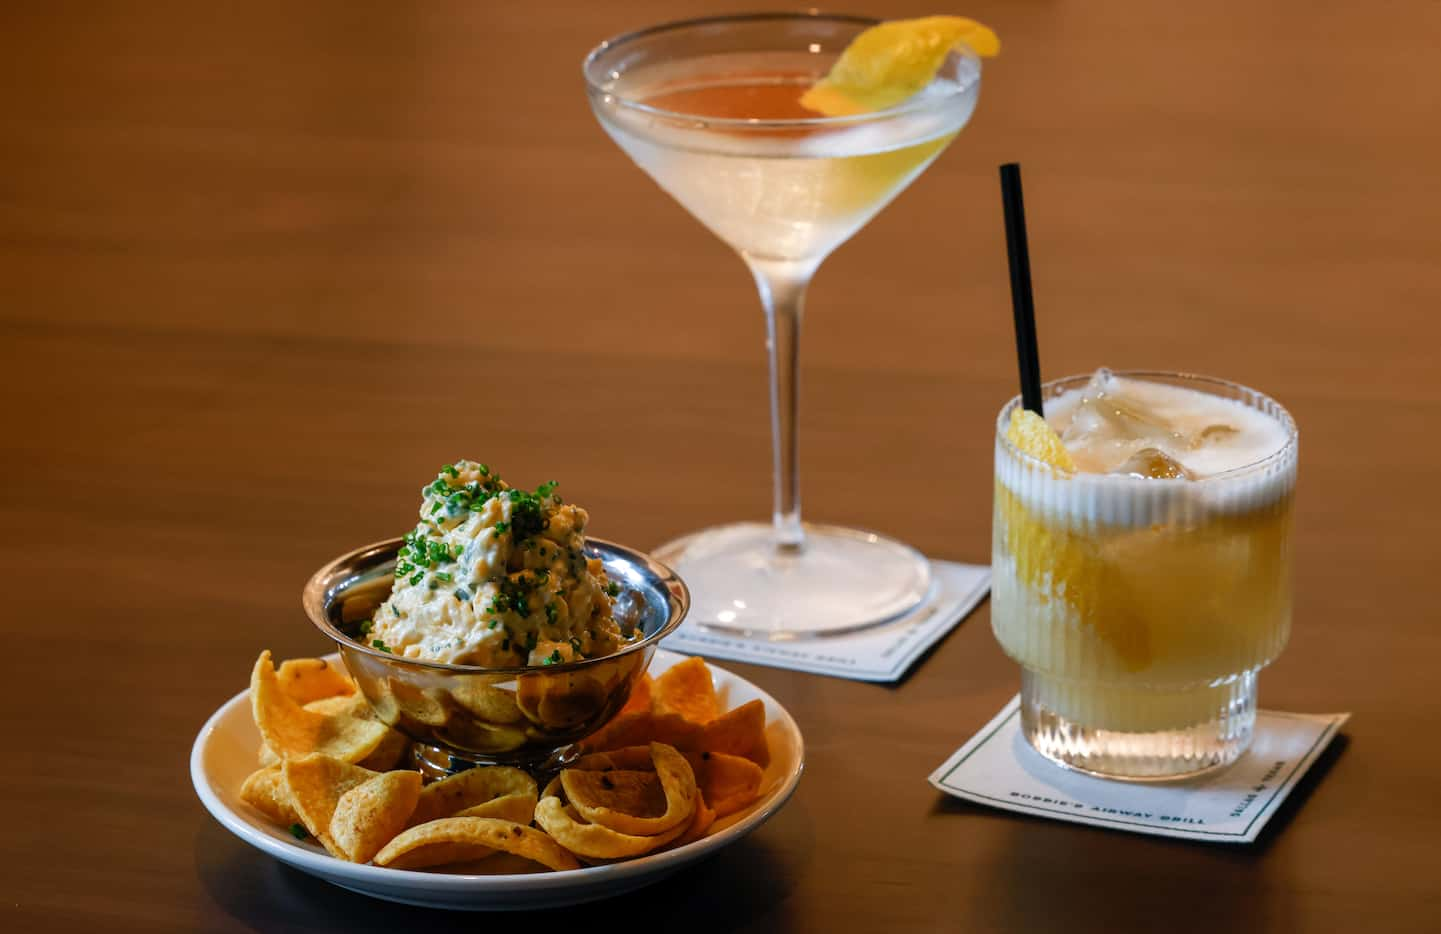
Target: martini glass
[(710, 109)]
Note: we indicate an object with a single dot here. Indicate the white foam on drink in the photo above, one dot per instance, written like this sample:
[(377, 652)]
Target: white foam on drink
[(1254, 469), (1110, 423)]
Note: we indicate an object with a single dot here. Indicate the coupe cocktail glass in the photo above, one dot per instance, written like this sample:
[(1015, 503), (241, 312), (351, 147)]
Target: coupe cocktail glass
[(1140, 598), (710, 110)]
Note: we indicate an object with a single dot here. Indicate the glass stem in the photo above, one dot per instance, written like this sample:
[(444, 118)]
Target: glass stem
[(782, 285)]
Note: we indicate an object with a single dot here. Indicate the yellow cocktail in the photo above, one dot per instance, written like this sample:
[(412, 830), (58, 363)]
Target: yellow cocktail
[(1143, 583)]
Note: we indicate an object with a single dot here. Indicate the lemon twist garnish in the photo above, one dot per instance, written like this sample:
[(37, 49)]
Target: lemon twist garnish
[(892, 61), (1030, 434), (1065, 564)]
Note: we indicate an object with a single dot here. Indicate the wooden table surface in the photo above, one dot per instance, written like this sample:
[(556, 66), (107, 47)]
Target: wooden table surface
[(264, 266)]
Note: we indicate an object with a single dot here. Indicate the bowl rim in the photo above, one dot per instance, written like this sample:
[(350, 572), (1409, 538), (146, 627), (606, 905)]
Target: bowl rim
[(321, 586)]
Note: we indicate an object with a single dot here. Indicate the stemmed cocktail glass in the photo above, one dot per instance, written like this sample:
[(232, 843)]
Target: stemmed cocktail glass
[(710, 110)]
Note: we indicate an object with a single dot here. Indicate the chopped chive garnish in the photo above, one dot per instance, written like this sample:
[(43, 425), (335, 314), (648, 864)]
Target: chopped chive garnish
[(613, 589), (416, 577), (377, 643), (298, 832), (462, 594), (365, 626), (450, 469), (441, 575)]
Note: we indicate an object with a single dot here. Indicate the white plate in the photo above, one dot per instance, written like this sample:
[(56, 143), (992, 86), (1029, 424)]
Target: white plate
[(225, 753)]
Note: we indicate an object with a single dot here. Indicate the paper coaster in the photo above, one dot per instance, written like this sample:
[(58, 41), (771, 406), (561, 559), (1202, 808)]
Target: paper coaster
[(998, 768), (881, 653)]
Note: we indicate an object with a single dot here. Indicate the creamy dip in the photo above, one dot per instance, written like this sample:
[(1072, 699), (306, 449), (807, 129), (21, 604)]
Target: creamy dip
[(497, 576)]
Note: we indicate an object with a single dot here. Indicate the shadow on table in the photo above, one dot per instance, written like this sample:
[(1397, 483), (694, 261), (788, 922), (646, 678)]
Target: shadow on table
[(744, 885), (1045, 870)]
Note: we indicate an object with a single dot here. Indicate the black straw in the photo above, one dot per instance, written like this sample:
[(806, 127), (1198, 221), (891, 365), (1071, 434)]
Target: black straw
[(1021, 302)]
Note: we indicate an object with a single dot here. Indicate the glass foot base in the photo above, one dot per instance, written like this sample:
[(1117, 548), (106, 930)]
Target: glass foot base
[(1138, 734), (839, 581)]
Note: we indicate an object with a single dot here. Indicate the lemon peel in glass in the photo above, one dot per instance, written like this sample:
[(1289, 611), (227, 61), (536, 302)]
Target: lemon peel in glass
[(1029, 434)]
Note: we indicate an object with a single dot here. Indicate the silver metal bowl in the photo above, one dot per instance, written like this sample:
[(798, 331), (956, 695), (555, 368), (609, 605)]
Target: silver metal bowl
[(461, 716)]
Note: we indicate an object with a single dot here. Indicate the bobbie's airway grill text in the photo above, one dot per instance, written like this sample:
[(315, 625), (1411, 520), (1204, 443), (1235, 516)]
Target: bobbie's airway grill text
[(997, 768)]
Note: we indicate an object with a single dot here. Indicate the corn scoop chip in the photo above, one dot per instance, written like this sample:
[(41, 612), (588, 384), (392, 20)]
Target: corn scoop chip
[(593, 841), (472, 788), (310, 679), (640, 694), (314, 785), (700, 823), (636, 792), (643, 727), (292, 731), (421, 705), (389, 753), (685, 689), (518, 809), (461, 839), (348, 705), (727, 783), (739, 732), (560, 701), (489, 703), (369, 815), (265, 791), (685, 713), (626, 801), (634, 758), (386, 756)]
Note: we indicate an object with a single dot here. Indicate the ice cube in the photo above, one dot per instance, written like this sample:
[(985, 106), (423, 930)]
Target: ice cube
[(1105, 414), (1154, 464), (1212, 434), (1100, 383)]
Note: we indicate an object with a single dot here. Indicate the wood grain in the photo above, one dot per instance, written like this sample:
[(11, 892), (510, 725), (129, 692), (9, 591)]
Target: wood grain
[(263, 266)]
